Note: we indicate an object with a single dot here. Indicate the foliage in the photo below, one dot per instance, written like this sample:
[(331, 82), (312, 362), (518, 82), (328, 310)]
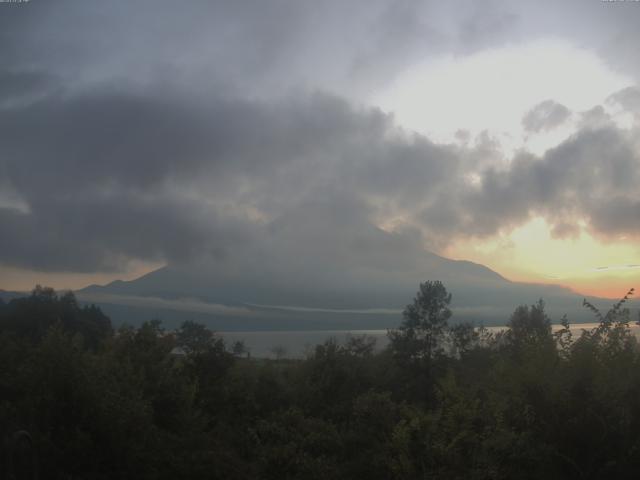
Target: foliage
[(419, 338), (442, 401)]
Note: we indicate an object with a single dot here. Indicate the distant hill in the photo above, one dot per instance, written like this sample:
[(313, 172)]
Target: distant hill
[(231, 296), (6, 296), (320, 267)]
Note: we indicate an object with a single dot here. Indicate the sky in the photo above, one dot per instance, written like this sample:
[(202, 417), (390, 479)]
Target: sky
[(137, 134)]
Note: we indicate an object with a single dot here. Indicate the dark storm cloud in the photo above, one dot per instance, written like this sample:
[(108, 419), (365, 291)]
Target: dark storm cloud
[(23, 86), (142, 139), (108, 176), (253, 47), (84, 233), (163, 131), (267, 47)]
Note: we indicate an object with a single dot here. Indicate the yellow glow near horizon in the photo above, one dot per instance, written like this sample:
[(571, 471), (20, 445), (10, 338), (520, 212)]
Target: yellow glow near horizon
[(530, 254), (491, 91)]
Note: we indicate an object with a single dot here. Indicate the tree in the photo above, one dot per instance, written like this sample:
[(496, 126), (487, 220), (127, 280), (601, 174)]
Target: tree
[(194, 337), (239, 348), (419, 338), (32, 316), (279, 351), (529, 327)]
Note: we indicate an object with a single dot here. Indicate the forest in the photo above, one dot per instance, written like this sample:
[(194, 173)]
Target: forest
[(82, 400)]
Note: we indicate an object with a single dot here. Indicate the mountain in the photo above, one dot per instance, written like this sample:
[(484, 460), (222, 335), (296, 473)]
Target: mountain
[(322, 267), (227, 297), (7, 296)]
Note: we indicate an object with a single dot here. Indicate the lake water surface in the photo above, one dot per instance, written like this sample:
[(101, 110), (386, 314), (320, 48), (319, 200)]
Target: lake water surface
[(297, 343)]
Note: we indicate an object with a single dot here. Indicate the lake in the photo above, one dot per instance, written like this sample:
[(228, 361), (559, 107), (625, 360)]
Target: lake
[(297, 343)]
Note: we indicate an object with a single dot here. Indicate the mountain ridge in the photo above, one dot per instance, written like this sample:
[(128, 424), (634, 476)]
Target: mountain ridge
[(479, 294)]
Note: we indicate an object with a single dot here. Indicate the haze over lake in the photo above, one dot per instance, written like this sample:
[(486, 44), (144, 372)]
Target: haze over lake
[(298, 344)]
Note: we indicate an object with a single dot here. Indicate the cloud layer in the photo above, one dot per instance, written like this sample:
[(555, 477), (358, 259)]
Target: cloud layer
[(203, 130)]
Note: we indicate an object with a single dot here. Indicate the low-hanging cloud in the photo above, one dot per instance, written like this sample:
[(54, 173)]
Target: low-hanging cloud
[(109, 177), (146, 147)]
